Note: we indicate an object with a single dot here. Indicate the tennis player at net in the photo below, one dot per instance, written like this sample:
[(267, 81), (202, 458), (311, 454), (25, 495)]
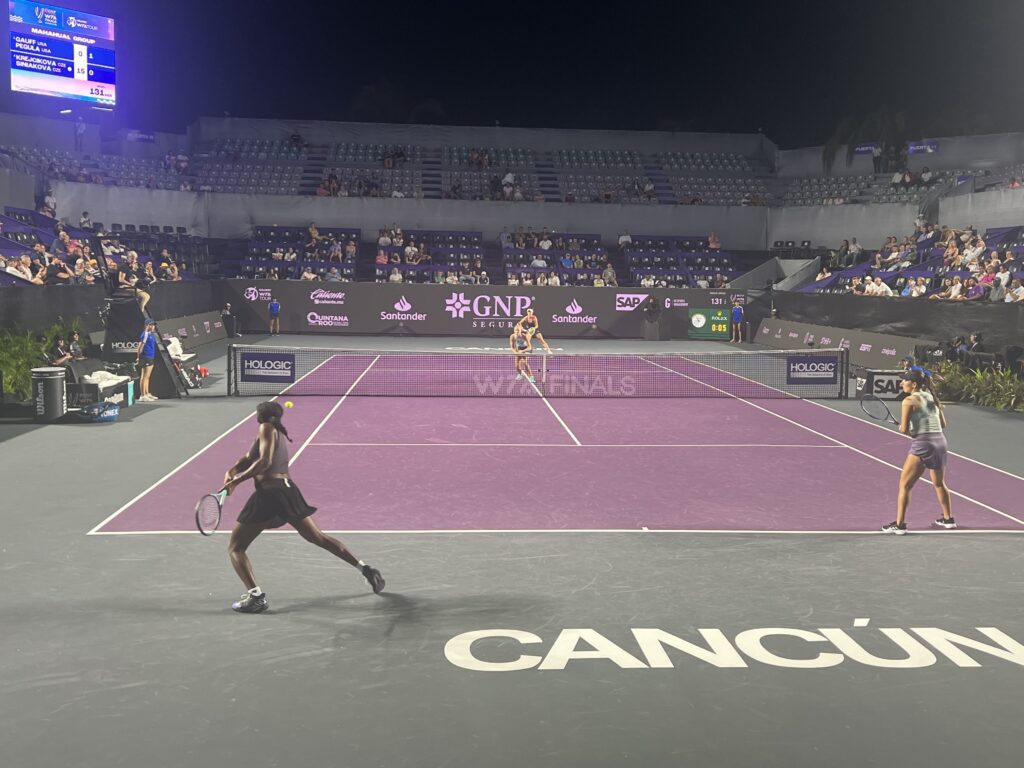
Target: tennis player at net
[(924, 419), (531, 326), (521, 347), (276, 501)]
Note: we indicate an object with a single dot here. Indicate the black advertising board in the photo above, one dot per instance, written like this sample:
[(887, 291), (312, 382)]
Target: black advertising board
[(468, 310), (867, 350)]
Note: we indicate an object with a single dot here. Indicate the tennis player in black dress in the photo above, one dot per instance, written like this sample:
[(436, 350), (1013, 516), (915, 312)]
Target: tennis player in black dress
[(276, 501)]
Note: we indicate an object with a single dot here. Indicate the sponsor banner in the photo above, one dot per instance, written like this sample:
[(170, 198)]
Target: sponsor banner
[(808, 369), (383, 308), (273, 367), (194, 330), (864, 149), (706, 323), (923, 147), (885, 385), (867, 350)]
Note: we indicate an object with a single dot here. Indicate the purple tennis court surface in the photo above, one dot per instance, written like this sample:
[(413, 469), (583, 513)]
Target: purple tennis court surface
[(465, 464)]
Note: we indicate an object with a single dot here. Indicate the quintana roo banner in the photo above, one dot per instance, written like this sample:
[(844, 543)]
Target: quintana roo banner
[(465, 310)]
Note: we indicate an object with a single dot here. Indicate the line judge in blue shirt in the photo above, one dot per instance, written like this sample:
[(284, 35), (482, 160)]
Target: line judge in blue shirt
[(146, 354), (274, 309), (737, 321)]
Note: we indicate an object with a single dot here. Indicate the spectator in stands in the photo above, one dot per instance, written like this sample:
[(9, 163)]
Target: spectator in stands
[(609, 277), (526, 279), (715, 244), (840, 257), (926, 176), (951, 289), (625, 241), (333, 275), (719, 281), (553, 280), (997, 291), (57, 273), (308, 274), (542, 280), (880, 288), (273, 274), (395, 276), (1015, 292), (381, 258), (512, 279), (148, 271), (49, 203), (538, 262), (897, 179), (291, 254), (1014, 183), (917, 288), (351, 250), (824, 274), (84, 222), (647, 281), (973, 291)]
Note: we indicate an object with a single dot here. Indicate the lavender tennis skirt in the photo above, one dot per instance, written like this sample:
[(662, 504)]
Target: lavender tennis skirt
[(931, 448), (275, 503)]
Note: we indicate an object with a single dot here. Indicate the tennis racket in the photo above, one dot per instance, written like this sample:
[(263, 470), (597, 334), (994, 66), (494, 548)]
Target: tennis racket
[(877, 409), (208, 512)]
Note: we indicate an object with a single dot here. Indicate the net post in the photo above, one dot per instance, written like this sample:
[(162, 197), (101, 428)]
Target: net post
[(844, 372), (231, 357)]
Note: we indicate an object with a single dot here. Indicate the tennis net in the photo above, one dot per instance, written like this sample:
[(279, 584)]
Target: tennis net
[(265, 371)]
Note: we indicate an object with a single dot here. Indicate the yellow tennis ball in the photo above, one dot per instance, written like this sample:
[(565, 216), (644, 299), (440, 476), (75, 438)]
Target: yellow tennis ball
[(289, 404)]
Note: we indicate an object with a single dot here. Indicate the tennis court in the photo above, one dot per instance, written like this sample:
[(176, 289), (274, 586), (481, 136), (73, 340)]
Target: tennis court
[(572, 580)]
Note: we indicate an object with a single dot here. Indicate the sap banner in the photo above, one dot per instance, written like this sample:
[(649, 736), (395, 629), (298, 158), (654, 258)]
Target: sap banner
[(468, 310)]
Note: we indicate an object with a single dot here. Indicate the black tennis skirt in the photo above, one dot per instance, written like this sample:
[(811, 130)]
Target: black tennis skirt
[(275, 503)]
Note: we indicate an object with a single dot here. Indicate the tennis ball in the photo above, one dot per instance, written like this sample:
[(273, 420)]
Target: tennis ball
[(289, 404)]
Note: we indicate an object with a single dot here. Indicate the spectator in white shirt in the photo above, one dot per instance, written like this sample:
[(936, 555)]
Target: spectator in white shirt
[(545, 243), (553, 280), (308, 274), (647, 281), (395, 276), (542, 279), (538, 262), (881, 289), (920, 288), (484, 279), (625, 240), (512, 280), (1015, 292)]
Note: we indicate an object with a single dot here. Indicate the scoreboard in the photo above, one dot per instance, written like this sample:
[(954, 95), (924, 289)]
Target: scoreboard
[(709, 323), (60, 52)]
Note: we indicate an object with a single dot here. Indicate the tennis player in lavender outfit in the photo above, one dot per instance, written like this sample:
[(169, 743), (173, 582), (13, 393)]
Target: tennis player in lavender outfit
[(922, 418)]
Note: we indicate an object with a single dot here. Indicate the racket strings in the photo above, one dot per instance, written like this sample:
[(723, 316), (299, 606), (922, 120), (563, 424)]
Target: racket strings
[(208, 513)]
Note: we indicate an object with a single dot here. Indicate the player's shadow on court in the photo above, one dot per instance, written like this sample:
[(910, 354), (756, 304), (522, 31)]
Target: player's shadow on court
[(393, 610)]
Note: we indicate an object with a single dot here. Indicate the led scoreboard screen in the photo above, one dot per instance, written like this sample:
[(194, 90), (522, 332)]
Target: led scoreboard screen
[(59, 52)]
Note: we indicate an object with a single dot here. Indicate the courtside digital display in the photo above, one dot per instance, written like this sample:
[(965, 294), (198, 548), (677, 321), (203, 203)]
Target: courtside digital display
[(59, 52)]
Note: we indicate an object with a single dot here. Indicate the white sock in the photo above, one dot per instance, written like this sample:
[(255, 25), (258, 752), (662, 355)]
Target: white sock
[(255, 591), (361, 564)]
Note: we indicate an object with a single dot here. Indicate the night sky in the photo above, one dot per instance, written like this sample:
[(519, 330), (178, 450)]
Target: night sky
[(791, 69)]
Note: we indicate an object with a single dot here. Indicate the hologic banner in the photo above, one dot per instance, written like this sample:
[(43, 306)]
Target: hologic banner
[(812, 369), (272, 367), (468, 310), (867, 350)]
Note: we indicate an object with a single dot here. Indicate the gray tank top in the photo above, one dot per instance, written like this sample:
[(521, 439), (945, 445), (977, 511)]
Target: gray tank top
[(279, 461), (925, 418)]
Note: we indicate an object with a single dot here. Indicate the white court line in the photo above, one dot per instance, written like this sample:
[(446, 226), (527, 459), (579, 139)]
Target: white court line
[(568, 445), (198, 453), (460, 532), (330, 413), (555, 414), (827, 437)]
